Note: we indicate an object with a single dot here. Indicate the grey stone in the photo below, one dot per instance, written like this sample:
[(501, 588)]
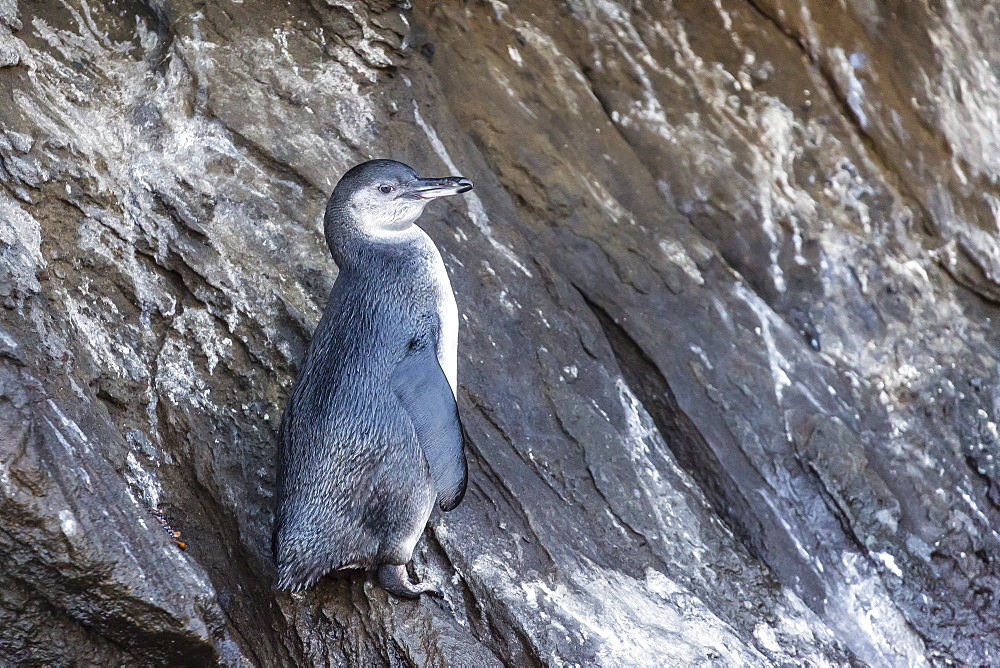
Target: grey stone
[(727, 364)]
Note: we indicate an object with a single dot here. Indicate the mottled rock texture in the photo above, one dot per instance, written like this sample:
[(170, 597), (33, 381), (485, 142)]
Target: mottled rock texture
[(727, 361)]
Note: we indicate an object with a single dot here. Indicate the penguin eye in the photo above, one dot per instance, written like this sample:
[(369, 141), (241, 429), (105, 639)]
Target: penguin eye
[(386, 189)]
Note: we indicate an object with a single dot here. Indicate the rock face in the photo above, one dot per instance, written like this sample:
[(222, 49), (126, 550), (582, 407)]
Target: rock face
[(727, 362)]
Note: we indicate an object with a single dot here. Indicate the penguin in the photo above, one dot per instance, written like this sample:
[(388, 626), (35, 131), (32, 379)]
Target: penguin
[(370, 438)]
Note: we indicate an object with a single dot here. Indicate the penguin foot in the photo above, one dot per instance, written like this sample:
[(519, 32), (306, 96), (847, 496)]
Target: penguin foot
[(393, 579)]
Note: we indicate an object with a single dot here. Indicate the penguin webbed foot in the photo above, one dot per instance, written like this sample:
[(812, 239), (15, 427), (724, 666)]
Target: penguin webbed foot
[(394, 579)]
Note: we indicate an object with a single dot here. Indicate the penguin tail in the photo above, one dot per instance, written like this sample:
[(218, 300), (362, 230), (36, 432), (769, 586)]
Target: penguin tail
[(290, 580), (295, 577)]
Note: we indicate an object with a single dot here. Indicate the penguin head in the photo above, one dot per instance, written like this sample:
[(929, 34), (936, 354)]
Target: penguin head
[(384, 196)]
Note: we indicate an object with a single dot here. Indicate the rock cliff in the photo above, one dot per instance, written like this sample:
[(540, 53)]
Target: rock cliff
[(726, 284)]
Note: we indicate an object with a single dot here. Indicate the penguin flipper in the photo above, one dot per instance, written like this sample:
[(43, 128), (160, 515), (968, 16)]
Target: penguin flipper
[(423, 390)]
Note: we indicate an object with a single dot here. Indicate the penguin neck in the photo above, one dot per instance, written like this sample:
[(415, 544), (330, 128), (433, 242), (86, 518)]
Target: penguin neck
[(350, 241)]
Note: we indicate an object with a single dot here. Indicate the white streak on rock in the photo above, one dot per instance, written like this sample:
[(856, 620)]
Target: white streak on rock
[(847, 66), (676, 254), (776, 361), (20, 241), (598, 607), (70, 451), (515, 56), (890, 562), (70, 425), (862, 604), (477, 213), (144, 481), (67, 523)]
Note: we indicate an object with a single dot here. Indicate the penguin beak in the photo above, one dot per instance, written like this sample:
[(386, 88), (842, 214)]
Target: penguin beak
[(430, 188)]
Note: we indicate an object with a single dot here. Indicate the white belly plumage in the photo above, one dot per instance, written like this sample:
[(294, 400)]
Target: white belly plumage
[(447, 351)]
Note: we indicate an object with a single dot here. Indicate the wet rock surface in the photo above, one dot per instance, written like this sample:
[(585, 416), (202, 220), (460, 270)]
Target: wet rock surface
[(727, 362)]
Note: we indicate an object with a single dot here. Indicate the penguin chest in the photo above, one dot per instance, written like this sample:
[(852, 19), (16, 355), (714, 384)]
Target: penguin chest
[(447, 312)]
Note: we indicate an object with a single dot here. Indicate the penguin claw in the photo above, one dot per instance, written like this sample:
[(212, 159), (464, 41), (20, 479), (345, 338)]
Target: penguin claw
[(431, 590), (394, 579)]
